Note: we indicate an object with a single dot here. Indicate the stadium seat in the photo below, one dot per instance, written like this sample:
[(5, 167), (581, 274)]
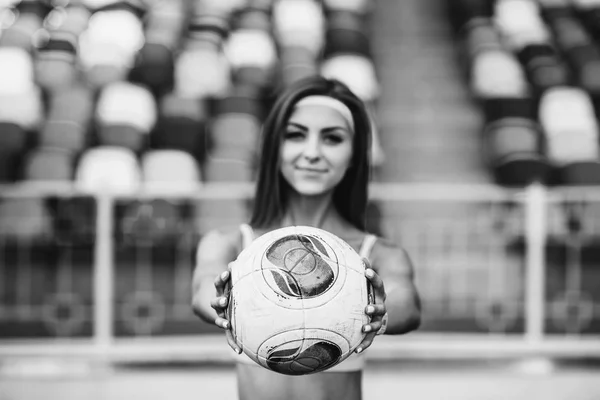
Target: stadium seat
[(28, 21), (568, 119), (355, 6), (497, 73), (346, 33), (49, 164), (68, 120), (234, 135), (108, 169), (181, 125), (251, 50), (154, 68), (463, 12), (578, 173), (207, 26), (109, 44), (356, 71), (24, 108), (544, 67), (24, 219), (589, 14), (171, 170), (13, 138), (213, 80), (295, 63), (520, 23), (125, 115), (580, 51), (498, 108), (299, 23), (10, 165), (165, 24), (16, 70), (71, 19), (515, 151), (56, 61)]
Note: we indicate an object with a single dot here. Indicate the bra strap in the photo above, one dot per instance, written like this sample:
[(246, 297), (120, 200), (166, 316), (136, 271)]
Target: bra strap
[(367, 245), (247, 235)]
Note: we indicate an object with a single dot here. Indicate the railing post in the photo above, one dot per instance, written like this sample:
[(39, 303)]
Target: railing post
[(104, 275), (535, 263)]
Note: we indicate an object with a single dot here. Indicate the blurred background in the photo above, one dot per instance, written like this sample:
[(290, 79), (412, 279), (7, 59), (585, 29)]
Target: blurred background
[(128, 129)]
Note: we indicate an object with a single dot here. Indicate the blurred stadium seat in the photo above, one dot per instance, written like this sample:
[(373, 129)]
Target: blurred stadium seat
[(173, 171), (24, 220), (110, 169), (68, 119), (234, 138), (514, 149), (125, 115), (49, 164), (299, 24), (181, 125)]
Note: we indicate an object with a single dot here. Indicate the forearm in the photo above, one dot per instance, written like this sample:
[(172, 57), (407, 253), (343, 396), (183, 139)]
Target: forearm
[(404, 311), (204, 292)]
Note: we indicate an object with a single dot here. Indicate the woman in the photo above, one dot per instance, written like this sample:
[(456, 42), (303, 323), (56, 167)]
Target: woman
[(314, 171)]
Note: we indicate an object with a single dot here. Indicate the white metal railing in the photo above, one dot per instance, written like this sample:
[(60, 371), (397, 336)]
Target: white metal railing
[(448, 247)]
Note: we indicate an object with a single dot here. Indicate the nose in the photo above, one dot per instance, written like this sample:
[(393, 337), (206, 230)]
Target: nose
[(312, 149)]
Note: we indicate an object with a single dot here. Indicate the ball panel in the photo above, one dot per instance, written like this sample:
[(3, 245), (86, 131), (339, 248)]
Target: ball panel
[(303, 351), (297, 300)]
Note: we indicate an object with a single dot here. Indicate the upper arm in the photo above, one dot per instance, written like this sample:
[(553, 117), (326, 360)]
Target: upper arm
[(394, 266), (215, 251)]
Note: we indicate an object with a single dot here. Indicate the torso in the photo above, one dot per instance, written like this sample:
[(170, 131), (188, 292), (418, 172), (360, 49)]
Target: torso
[(258, 383)]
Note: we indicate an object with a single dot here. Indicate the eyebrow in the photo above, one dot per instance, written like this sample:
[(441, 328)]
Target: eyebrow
[(327, 129)]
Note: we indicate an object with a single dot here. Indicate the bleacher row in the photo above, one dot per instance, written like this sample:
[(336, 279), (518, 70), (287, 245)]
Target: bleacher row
[(115, 95), (533, 66)]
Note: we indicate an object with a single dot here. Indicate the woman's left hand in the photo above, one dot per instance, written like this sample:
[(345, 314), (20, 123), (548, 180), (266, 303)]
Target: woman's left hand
[(376, 310)]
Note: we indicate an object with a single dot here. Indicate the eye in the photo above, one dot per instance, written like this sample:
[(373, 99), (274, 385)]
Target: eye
[(294, 135), (333, 138)]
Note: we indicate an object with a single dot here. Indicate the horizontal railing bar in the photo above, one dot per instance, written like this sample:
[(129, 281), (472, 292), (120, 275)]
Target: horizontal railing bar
[(213, 348), (378, 190)]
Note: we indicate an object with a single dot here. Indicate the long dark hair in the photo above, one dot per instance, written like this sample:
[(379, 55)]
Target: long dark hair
[(350, 196)]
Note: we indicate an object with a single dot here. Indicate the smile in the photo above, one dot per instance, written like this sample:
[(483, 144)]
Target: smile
[(313, 170)]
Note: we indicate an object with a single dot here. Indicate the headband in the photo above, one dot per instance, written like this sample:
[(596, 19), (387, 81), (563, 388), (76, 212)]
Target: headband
[(327, 101)]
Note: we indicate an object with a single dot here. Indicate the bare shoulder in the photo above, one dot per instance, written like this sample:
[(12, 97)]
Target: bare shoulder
[(219, 245), (388, 257)]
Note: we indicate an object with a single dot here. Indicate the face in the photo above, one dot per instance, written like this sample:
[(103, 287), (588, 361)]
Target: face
[(316, 149)]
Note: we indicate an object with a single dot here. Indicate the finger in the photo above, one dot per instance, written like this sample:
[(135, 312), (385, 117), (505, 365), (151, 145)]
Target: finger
[(372, 326), (231, 341), (373, 310), (377, 284), (219, 303), (367, 263), (221, 281), (222, 323), (366, 342)]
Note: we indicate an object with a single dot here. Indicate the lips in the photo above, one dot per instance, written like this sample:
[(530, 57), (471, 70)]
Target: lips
[(312, 170)]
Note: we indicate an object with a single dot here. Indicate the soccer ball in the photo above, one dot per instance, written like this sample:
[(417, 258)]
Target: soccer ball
[(297, 300)]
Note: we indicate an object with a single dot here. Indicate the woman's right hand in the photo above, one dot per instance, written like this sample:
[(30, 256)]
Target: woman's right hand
[(219, 304)]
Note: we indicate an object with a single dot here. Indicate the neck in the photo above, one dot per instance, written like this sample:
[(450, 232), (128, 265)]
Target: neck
[(309, 210)]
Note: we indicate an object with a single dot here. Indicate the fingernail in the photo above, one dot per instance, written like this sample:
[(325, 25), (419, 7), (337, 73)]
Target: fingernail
[(359, 349), (369, 273), (223, 301), (224, 275), (367, 328), (226, 325), (370, 309)]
